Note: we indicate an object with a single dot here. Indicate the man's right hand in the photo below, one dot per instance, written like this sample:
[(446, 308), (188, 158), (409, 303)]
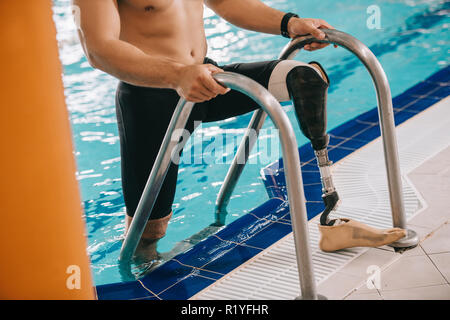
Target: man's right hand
[(196, 83)]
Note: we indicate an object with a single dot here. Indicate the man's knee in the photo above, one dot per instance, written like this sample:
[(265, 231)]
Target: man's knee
[(278, 78)]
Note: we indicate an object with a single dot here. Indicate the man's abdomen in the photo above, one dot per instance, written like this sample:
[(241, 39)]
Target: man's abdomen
[(172, 31)]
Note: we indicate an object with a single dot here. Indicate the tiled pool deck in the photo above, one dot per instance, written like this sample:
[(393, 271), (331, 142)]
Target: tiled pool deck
[(211, 259), (422, 273)]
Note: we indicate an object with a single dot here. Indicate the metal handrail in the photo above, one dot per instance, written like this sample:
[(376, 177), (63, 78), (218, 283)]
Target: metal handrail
[(387, 125), (291, 158)]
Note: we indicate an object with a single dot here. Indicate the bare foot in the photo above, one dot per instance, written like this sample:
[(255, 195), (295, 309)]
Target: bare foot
[(146, 251)]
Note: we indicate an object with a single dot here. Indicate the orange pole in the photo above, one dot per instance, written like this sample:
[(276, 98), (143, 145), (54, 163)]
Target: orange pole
[(42, 239)]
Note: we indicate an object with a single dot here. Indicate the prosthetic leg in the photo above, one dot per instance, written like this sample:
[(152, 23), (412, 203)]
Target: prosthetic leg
[(307, 87), (308, 91)]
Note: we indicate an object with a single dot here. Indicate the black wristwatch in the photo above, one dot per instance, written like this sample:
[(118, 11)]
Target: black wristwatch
[(284, 23)]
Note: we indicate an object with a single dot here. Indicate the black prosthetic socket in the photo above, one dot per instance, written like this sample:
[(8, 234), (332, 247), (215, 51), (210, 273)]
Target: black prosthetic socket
[(308, 92)]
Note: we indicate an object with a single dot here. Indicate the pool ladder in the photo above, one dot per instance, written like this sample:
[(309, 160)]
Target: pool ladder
[(271, 107)]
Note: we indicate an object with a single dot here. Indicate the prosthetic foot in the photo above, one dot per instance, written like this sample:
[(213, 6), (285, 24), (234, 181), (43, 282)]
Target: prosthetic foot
[(307, 87), (348, 233)]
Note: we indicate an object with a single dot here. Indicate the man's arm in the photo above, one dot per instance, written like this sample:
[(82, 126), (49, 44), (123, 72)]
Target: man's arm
[(99, 33), (99, 30), (266, 19)]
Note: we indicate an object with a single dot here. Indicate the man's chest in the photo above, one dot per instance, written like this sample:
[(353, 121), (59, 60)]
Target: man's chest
[(159, 5)]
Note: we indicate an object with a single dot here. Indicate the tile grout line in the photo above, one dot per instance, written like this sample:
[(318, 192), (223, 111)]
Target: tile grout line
[(154, 294), (435, 266)]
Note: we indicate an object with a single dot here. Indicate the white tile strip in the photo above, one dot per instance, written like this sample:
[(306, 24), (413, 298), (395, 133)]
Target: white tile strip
[(360, 180)]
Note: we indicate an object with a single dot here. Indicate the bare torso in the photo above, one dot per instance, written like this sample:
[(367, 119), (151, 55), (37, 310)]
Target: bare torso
[(171, 29)]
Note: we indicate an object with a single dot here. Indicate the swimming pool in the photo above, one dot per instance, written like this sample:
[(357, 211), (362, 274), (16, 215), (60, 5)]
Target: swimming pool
[(411, 45)]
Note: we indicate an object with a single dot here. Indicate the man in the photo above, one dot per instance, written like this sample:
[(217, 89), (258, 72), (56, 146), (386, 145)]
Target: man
[(157, 49)]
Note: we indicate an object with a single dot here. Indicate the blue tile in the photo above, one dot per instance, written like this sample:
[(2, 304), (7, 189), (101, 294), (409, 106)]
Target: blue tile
[(349, 129), (370, 134), (337, 153), (283, 210), (271, 211), (422, 104), (442, 92), (306, 153), (165, 276), (352, 144), (186, 288), (402, 101), (231, 259), (314, 208), (420, 89), (269, 179), (122, 291), (270, 235), (310, 176), (280, 163), (279, 178), (370, 116), (311, 162), (310, 166), (242, 231), (335, 140), (440, 76), (313, 193), (402, 116), (276, 192), (208, 274), (204, 251)]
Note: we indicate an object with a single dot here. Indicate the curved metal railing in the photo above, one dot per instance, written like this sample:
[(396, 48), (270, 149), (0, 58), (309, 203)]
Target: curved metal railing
[(296, 198), (386, 115)]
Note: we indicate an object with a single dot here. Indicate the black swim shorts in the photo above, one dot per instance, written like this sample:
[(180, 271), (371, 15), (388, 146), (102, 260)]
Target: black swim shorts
[(143, 115)]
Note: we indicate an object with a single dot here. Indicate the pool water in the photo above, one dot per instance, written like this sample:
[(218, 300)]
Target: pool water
[(411, 44)]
